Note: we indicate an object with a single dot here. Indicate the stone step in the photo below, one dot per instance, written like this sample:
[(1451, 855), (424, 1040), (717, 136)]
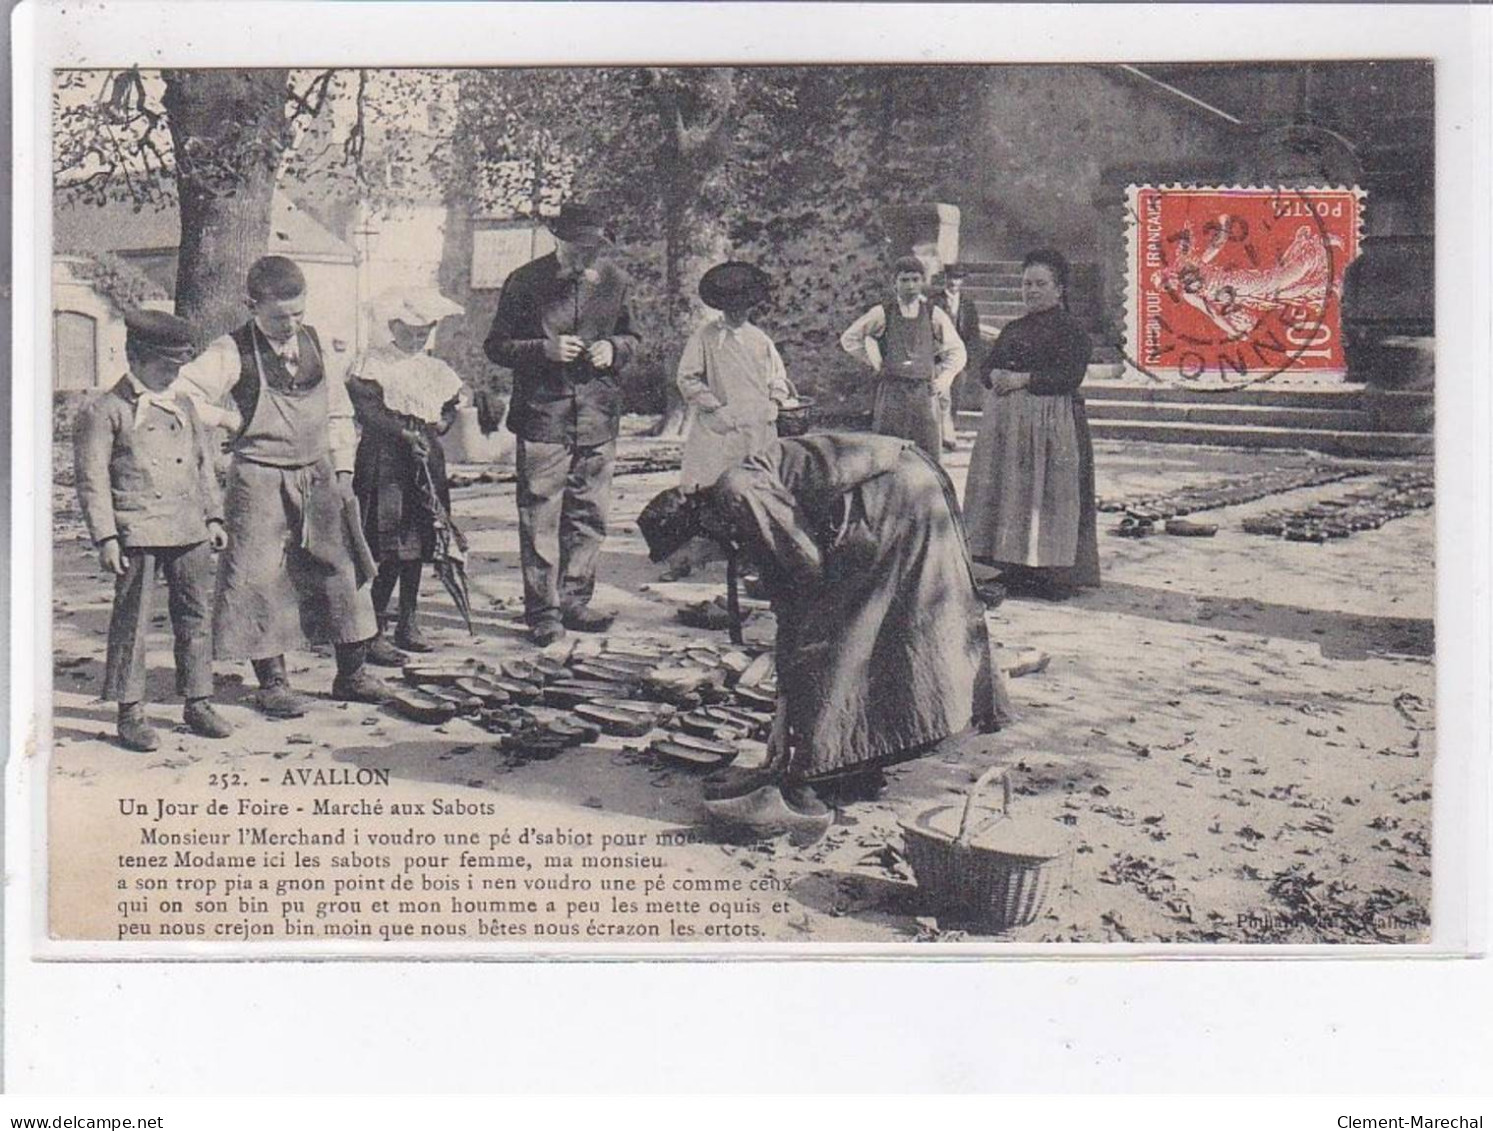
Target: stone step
[(1346, 396), (1262, 416), (994, 293), (1388, 410), (1330, 442)]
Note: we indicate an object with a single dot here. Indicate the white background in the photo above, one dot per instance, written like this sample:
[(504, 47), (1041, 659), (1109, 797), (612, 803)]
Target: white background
[(1283, 1025)]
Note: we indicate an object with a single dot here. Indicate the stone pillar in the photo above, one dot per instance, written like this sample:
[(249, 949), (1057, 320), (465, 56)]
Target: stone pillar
[(928, 231)]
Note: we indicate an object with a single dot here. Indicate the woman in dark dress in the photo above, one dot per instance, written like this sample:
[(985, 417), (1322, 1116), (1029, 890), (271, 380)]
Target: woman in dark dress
[(404, 399), (1029, 499), (882, 650)]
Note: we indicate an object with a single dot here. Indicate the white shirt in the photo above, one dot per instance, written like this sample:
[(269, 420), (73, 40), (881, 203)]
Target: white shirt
[(208, 378), (736, 366), (950, 356)]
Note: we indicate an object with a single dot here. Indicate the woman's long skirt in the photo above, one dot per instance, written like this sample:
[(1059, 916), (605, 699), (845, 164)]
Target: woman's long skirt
[(889, 654), (387, 483), (1029, 498)]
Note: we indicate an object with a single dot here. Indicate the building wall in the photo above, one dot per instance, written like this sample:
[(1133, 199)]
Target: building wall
[(74, 295), (332, 308), (1044, 141)]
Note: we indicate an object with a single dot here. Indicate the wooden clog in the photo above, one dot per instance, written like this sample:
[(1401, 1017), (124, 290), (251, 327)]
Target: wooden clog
[(614, 721), (520, 670), (601, 672), (421, 707), (519, 690), (752, 722), (464, 702), (575, 731), (444, 673), (756, 699), (701, 725), (569, 692), (549, 669), (484, 689), (763, 668), (693, 750)]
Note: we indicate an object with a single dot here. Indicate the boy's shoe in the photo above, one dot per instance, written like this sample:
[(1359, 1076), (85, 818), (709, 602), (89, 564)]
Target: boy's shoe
[(359, 687), (135, 733), (586, 619), (202, 719), (278, 701), (383, 654), (409, 637), (546, 633)]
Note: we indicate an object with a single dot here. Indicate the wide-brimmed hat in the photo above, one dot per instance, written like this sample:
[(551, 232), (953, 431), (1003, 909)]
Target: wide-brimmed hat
[(670, 519), (158, 333), (414, 306), (733, 285), (579, 222)]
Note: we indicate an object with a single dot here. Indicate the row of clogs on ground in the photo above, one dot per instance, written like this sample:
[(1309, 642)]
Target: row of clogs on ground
[(1397, 497), (711, 699), (1187, 500)]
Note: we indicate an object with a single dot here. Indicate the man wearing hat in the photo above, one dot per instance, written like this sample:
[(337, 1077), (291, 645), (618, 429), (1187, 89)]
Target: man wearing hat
[(563, 328), (966, 319), (731, 375), (732, 380), (151, 501), (915, 351)]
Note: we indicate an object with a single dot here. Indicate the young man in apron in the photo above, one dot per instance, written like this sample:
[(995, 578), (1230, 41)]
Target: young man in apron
[(290, 576), (915, 351)]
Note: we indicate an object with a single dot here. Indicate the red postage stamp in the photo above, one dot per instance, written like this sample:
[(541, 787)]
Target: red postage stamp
[(1231, 284)]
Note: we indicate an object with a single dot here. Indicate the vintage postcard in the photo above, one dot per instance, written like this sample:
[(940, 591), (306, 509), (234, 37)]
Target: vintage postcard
[(697, 509)]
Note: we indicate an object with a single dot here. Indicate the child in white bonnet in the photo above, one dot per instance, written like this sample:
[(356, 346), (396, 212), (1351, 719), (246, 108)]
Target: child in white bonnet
[(404, 399)]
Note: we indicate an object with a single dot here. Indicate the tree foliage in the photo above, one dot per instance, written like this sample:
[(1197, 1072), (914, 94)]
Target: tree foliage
[(788, 167)]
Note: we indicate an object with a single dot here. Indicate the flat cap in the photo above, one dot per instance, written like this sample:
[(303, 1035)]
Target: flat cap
[(159, 333)]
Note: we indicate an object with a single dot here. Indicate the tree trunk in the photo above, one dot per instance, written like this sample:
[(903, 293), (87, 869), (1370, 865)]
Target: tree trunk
[(676, 220), (228, 129)]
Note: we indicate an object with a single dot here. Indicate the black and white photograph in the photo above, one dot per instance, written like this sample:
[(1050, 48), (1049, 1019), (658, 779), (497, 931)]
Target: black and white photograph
[(849, 504), (749, 546)]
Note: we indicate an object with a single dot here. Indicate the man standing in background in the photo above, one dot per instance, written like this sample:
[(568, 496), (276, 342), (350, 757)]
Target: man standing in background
[(966, 319), (564, 329)]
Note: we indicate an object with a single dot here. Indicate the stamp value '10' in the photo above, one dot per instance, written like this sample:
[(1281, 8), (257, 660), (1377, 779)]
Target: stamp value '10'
[(1238, 283)]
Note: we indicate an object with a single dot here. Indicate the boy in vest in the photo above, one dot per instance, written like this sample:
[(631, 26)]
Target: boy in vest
[(290, 576), (915, 350), (151, 501)]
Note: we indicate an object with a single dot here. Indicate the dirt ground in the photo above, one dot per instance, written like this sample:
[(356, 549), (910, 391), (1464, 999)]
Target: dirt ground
[(1234, 736)]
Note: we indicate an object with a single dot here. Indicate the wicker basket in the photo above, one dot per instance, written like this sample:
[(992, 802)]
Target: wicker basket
[(794, 420), (997, 875)]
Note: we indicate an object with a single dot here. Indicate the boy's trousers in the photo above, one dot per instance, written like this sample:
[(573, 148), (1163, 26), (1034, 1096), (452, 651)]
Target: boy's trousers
[(188, 571)]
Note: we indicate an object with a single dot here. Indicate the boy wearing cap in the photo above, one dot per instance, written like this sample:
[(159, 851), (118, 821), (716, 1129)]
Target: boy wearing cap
[(150, 498), (564, 328), (292, 574), (966, 318), (915, 350)]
